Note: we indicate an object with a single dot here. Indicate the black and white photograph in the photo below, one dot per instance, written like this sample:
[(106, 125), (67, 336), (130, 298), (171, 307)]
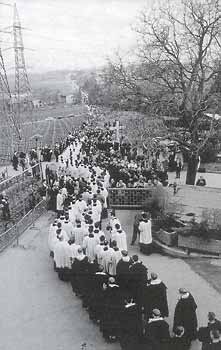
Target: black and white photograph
[(110, 174)]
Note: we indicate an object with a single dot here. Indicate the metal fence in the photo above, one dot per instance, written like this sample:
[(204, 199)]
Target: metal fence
[(34, 171), (136, 198), (14, 232)]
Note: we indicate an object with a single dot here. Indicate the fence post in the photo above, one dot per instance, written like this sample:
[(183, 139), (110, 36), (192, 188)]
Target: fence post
[(32, 218), (23, 204), (17, 234), (33, 227)]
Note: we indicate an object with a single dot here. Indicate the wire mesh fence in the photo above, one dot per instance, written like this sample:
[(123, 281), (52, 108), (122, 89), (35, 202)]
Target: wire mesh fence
[(32, 172), (14, 232)]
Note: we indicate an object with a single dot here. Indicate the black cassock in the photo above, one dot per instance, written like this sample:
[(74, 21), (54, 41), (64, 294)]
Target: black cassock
[(80, 272), (92, 268), (178, 343), (130, 327), (97, 296), (157, 334), (113, 306), (155, 297), (123, 274), (185, 315), (137, 281)]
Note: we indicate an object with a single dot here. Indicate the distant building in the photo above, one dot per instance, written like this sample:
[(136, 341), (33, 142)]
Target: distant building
[(70, 99), (38, 104)]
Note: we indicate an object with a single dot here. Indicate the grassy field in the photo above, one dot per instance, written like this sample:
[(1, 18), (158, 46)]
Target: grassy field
[(43, 122)]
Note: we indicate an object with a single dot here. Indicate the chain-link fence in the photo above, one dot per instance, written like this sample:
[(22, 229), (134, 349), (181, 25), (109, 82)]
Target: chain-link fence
[(14, 232)]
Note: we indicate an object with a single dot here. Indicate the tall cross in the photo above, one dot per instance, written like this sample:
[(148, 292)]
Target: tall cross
[(117, 128)]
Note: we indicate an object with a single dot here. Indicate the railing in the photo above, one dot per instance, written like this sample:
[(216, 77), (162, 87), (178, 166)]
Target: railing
[(136, 197), (34, 171), (14, 232)]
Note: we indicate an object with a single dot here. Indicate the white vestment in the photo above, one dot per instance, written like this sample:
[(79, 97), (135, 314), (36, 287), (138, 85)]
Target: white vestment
[(89, 244), (68, 228), (121, 240), (145, 232), (62, 254)]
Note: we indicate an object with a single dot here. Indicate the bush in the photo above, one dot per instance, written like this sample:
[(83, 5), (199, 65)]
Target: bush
[(201, 230), (167, 222)]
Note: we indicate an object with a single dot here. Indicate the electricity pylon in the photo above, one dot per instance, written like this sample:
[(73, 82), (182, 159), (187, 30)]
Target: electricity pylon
[(23, 93), (7, 110)]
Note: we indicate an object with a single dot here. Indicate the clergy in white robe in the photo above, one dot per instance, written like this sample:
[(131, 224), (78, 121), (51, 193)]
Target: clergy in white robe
[(79, 233), (121, 239), (52, 237), (145, 234), (68, 228), (107, 259), (89, 244), (62, 258), (96, 212), (80, 206), (59, 203), (73, 248)]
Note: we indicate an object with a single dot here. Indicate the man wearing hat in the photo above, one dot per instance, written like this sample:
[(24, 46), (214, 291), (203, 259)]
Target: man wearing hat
[(185, 314)]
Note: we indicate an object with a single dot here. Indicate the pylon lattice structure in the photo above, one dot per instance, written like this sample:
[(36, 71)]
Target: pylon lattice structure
[(23, 93), (10, 123)]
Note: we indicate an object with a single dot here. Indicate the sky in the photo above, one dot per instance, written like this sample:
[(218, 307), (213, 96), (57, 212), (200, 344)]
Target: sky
[(71, 34)]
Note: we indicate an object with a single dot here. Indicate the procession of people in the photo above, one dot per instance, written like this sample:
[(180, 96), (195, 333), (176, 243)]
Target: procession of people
[(89, 248)]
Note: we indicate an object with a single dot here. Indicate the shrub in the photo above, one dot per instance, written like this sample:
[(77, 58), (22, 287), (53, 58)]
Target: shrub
[(168, 222), (202, 230)]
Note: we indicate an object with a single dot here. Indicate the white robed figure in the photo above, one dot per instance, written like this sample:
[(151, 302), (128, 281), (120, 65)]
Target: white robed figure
[(62, 255), (107, 259), (121, 238), (89, 244), (145, 234), (52, 237), (68, 228)]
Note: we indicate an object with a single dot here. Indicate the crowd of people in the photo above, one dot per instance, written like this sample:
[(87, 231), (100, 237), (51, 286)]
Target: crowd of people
[(89, 249)]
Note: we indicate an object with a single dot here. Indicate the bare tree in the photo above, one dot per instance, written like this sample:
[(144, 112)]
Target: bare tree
[(179, 60)]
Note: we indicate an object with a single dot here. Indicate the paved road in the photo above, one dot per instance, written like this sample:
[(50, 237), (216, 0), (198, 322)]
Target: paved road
[(176, 273), (40, 312)]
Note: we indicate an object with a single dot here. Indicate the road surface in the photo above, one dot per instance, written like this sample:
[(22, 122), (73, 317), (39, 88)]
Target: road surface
[(38, 311)]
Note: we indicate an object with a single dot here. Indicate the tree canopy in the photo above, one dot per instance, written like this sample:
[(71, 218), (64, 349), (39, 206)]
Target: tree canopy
[(177, 69)]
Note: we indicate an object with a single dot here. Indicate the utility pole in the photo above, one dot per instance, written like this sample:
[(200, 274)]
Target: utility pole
[(23, 93)]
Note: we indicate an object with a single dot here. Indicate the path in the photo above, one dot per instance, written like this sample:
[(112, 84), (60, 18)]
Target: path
[(40, 312), (212, 179), (176, 273)]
